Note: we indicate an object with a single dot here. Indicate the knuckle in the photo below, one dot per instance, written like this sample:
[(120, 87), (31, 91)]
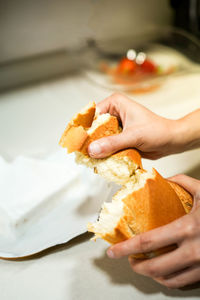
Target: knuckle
[(138, 137), (148, 270), (190, 228), (145, 242), (187, 254), (136, 267), (152, 271), (109, 144), (180, 176), (118, 96), (119, 99)]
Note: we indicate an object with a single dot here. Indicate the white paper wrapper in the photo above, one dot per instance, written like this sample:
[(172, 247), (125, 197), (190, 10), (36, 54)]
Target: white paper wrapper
[(46, 202)]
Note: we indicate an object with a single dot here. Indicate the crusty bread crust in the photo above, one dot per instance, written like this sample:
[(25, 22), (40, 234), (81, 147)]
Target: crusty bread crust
[(86, 116), (131, 154), (75, 133), (155, 204), (109, 127), (76, 137), (184, 196)]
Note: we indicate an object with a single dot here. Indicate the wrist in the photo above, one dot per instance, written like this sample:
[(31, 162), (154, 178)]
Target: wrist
[(186, 132)]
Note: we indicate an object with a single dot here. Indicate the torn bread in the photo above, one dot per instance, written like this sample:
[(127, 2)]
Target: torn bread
[(144, 204), (79, 133), (145, 201), (119, 167), (141, 205)]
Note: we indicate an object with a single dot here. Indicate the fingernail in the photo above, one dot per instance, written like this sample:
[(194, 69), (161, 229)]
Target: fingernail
[(110, 253), (94, 149)]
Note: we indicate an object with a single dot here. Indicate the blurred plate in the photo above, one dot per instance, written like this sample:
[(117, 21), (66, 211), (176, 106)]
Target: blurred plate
[(174, 52)]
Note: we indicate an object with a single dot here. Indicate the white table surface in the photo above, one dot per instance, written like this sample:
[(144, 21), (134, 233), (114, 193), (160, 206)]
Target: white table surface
[(31, 122)]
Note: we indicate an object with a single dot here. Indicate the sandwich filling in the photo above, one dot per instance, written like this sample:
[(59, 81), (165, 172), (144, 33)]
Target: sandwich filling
[(115, 169)]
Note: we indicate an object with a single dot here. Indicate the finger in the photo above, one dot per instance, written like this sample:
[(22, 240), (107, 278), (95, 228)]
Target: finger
[(111, 144), (192, 185), (165, 264), (112, 104), (172, 233), (181, 279), (105, 106), (153, 155)]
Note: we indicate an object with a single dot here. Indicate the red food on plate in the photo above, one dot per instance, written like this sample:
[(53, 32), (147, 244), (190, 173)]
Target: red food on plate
[(149, 66), (126, 66), (132, 73)]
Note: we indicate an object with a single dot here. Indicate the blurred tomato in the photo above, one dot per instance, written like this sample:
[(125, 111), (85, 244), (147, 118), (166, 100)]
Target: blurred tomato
[(149, 66), (126, 66)]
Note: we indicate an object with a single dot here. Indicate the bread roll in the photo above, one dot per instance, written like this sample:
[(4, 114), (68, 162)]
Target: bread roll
[(87, 126)]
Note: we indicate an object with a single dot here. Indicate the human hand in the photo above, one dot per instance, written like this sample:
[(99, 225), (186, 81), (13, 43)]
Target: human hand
[(179, 267), (153, 135)]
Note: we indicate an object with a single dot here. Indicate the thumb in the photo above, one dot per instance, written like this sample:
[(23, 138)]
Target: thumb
[(106, 146)]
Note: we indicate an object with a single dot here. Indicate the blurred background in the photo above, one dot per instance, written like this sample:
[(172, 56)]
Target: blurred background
[(39, 38), (42, 39)]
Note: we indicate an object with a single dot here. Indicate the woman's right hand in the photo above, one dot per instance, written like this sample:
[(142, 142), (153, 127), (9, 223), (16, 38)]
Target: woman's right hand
[(153, 135)]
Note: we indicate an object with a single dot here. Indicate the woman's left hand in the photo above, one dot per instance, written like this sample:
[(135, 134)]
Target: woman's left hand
[(179, 267)]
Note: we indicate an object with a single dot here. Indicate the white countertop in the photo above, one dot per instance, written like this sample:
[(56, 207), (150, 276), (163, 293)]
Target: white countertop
[(31, 122)]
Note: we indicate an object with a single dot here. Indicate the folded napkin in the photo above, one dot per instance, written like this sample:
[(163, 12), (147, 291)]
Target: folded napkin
[(46, 202)]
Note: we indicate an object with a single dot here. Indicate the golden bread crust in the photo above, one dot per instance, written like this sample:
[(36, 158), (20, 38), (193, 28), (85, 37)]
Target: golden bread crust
[(110, 127), (86, 116), (75, 133), (74, 138), (154, 205), (184, 196), (131, 154)]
